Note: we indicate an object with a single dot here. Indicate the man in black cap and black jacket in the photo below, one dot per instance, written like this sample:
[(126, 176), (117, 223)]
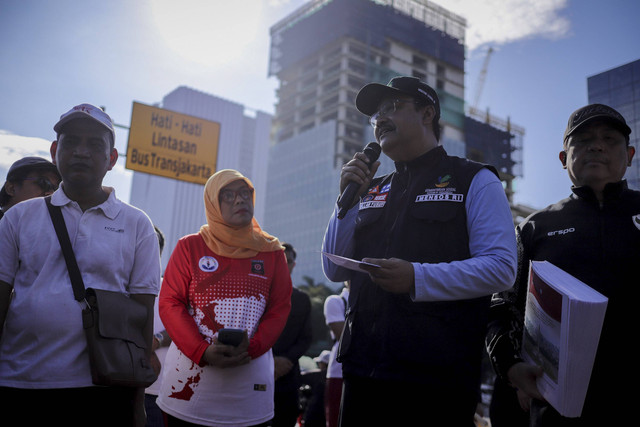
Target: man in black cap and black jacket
[(440, 229), (27, 178), (594, 235)]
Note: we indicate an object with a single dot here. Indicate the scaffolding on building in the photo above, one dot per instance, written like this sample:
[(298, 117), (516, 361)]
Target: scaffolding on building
[(517, 136)]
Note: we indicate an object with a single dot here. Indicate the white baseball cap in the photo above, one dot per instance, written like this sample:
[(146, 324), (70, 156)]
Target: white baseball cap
[(86, 111)]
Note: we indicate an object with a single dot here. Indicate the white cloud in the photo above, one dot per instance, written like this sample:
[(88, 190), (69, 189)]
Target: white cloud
[(14, 147), (208, 33), (499, 22), (278, 3)]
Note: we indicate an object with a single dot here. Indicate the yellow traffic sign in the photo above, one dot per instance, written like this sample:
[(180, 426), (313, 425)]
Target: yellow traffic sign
[(166, 143)]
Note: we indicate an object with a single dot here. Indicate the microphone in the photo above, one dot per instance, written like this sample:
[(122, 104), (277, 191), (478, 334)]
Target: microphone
[(372, 151)]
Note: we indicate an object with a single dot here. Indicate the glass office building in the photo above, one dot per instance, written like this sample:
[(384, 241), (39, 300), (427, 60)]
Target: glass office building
[(620, 89)]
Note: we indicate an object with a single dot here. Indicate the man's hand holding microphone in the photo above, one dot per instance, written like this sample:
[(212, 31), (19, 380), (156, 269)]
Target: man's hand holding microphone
[(356, 175), (393, 275)]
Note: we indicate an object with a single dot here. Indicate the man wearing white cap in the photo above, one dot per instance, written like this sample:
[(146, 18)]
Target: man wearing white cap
[(44, 365)]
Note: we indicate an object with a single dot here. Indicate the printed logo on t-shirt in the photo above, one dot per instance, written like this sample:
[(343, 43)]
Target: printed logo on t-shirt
[(636, 221), (260, 387), (208, 264), (115, 230), (257, 267)]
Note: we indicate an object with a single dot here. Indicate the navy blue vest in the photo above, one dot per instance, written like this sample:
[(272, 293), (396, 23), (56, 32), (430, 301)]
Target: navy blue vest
[(416, 214)]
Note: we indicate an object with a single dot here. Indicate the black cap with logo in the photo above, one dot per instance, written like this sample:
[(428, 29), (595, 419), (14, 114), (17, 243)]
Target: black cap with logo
[(370, 96), (592, 112)]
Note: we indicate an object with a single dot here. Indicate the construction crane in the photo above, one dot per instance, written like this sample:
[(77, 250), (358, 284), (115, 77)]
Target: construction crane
[(481, 78)]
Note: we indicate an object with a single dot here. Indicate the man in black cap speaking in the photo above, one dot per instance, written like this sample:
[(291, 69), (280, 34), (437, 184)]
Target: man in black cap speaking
[(440, 231), (594, 235), (27, 178)]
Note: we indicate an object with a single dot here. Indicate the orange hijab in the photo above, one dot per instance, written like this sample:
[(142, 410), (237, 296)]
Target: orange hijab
[(223, 239)]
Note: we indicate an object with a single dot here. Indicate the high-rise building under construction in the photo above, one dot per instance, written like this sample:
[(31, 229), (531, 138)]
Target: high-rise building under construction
[(322, 54), (327, 50)]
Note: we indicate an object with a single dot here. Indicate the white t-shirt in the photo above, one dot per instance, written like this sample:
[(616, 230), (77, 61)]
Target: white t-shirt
[(238, 396), (43, 343), (334, 308)]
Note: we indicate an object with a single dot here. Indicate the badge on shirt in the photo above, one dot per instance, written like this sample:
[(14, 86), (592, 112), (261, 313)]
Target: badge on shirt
[(257, 267), (437, 195), (441, 193), (443, 181), (376, 197), (636, 221), (208, 264)]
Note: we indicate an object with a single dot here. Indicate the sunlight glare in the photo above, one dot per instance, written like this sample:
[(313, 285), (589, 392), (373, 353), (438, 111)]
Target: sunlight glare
[(210, 33)]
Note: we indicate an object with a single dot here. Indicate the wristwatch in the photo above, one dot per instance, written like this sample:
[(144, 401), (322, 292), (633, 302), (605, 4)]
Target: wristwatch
[(160, 338)]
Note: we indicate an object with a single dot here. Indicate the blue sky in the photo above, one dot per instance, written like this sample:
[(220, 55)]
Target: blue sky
[(56, 54)]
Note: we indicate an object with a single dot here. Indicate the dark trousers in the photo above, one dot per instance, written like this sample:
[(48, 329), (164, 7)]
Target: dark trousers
[(332, 399), (70, 407), (505, 410), (155, 417), (286, 409), (374, 402)]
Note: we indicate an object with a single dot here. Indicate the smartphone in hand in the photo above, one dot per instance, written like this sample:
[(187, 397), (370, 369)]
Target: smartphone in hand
[(231, 336)]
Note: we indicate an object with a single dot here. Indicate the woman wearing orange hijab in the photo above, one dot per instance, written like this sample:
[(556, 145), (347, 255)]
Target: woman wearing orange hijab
[(231, 274)]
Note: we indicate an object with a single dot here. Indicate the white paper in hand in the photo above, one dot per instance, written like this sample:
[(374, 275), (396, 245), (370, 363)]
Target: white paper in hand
[(349, 263)]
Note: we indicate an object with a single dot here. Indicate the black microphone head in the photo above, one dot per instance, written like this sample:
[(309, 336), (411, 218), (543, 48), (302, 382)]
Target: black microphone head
[(372, 150)]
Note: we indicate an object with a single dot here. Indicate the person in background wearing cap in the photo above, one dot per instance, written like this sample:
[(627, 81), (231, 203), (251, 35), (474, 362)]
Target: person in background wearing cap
[(27, 178), (45, 375), (440, 231), (594, 235)]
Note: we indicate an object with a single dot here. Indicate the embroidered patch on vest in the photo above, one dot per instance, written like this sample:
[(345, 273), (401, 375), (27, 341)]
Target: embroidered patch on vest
[(443, 181), (636, 221), (257, 267), (440, 195), (376, 197), (208, 264)]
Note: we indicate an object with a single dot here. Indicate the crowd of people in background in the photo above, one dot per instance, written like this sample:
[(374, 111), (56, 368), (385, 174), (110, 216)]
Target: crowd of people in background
[(439, 283)]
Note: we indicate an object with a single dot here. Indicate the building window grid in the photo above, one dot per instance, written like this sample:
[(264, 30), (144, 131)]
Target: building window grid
[(305, 97), (330, 102), (419, 75), (306, 127), (356, 66), (419, 62), (331, 69), (308, 82), (357, 51), (330, 116), (331, 86)]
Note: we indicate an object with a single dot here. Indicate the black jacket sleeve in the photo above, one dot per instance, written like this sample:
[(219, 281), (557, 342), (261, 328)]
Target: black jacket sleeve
[(506, 317)]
